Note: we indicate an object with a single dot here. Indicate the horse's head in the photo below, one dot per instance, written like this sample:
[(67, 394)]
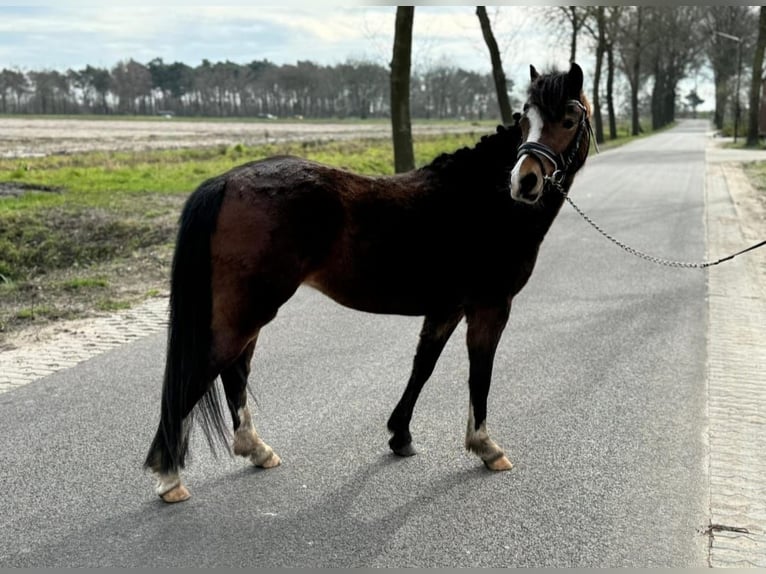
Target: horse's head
[(555, 134)]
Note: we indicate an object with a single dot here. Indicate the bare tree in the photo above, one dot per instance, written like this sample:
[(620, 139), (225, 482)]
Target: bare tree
[(722, 52), (51, 92), (595, 23), (756, 82), (630, 47), (676, 43), (612, 31), (573, 17), (356, 88), (132, 83), (13, 83), (501, 84), (401, 63)]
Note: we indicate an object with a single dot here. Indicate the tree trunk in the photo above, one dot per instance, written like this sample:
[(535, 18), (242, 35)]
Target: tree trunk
[(404, 157), (610, 90), (635, 120), (721, 98), (659, 78), (663, 100), (600, 48), (636, 77), (575, 30), (756, 83), (501, 85)]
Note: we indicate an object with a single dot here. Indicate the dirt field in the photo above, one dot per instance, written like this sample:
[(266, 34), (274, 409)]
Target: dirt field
[(25, 137)]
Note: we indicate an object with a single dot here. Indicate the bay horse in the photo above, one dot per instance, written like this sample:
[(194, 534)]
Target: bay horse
[(455, 239)]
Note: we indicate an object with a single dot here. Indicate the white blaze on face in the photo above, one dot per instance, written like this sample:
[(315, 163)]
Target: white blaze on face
[(535, 132), (535, 124)]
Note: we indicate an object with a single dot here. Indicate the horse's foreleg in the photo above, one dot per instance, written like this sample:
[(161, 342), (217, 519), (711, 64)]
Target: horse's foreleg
[(485, 326), (434, 335), (247, 443)]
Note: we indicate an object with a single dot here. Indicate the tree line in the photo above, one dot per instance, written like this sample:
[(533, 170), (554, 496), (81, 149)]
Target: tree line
[(647, 49), (654, 48), (260, 88), (652, 45)]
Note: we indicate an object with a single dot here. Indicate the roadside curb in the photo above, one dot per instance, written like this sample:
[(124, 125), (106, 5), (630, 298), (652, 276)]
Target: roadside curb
[(736, 378), (71, 346)]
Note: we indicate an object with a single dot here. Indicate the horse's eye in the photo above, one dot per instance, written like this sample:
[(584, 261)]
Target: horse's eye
[(568, 124)]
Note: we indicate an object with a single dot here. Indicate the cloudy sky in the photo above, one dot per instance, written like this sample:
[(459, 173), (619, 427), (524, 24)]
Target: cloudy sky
[(75, 34)]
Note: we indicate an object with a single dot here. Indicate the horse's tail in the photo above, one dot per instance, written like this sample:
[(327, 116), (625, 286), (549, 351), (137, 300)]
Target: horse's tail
[(188, 377)]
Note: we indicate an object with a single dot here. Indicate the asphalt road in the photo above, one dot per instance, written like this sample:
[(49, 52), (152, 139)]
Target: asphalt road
[(598, 398)]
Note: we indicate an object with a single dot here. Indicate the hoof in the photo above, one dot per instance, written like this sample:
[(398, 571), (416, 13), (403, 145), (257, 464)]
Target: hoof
[(270, 462), (177, 494), (402, 445), (500, 463), (406, 450)]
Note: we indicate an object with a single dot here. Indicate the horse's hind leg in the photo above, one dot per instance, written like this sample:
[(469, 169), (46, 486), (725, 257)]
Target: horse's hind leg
[(485, 326), (230, 356), (169, 486), (246, 440), (434, 335)]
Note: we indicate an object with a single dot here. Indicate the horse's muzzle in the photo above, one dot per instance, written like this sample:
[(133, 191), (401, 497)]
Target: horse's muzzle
[(526, 180)]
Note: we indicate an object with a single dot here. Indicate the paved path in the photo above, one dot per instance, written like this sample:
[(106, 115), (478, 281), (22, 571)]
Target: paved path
[(736, 367), (77, 341)]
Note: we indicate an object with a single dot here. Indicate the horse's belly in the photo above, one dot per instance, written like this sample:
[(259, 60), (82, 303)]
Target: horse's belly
[(386, 296)]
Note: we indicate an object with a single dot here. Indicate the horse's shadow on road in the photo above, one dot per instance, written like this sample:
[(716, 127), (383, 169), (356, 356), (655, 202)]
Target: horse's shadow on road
[(345, 527)]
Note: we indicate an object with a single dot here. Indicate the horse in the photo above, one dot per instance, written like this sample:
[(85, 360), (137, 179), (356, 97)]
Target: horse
[(457, 238)]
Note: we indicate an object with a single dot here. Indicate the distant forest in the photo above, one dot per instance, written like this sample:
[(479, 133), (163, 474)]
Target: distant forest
[(358, 89)]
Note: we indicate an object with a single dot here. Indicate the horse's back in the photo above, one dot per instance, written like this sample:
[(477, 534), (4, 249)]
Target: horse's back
[(277, 221)]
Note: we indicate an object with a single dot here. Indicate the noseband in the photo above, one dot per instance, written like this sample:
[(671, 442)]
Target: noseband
[(563, 161)]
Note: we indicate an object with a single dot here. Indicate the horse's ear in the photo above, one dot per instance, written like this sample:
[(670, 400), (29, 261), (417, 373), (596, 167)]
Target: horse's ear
[(575, 80), (533, 74)]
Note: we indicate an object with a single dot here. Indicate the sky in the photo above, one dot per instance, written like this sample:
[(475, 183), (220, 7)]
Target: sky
[(75, 34)]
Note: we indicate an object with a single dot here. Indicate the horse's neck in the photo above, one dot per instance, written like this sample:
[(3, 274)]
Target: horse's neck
[(494, 154), (537, 220)]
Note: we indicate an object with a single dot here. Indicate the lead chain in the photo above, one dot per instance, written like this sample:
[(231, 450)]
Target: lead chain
[(636, 252)]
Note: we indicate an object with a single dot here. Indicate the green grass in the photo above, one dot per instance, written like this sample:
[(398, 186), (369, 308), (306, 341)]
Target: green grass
[(114, 204), (41, 313), (117, 180), (80, 283), (111, 305)]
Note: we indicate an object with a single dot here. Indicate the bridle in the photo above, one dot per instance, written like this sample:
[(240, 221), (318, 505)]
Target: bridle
[(563, 161)]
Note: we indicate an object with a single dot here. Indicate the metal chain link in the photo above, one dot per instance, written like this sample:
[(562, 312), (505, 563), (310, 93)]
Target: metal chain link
[(641, 254)]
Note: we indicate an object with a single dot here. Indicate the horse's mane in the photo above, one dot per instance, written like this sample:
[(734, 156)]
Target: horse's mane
[(548, 92), (491, 150), (495, 154)]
